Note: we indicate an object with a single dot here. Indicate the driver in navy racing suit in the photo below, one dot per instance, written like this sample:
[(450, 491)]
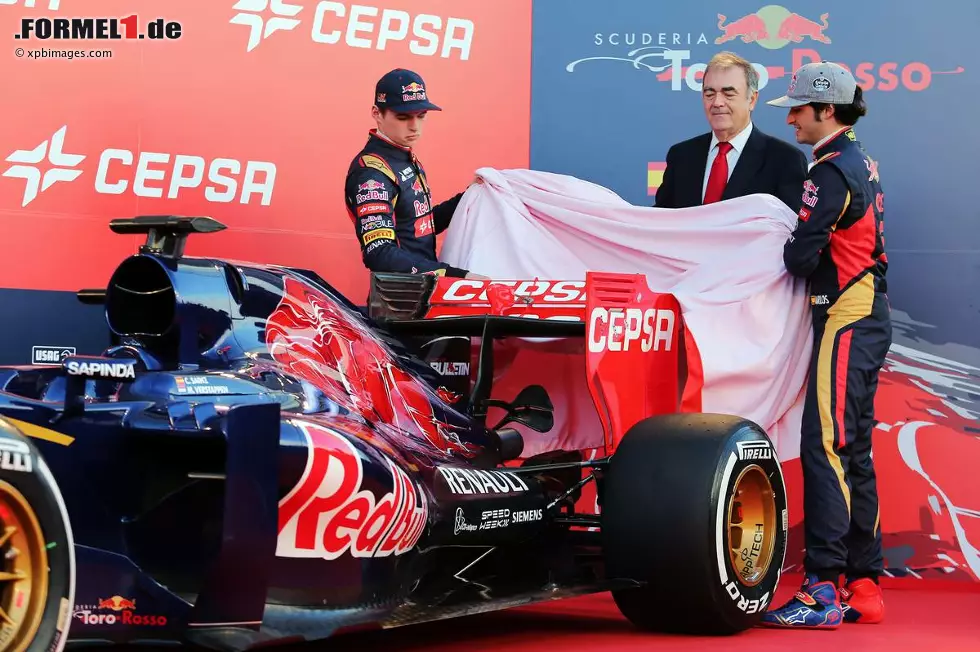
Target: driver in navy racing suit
[(838, 246), (387, 193)]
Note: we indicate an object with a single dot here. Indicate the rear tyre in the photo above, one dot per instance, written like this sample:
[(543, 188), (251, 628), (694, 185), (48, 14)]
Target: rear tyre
[(37, 553), (694, 511)]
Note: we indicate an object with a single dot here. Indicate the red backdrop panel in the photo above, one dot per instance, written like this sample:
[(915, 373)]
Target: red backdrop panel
[(293, 101)]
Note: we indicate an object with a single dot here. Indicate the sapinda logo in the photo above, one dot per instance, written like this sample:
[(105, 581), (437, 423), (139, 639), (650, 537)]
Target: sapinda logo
[(144, 173), (360, 26)]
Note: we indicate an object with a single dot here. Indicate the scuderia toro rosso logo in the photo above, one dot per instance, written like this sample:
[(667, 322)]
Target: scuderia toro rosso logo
[(680, 58), (116, 610), (55, 162)]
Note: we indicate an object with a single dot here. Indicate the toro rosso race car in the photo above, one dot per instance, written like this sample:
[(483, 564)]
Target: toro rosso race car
[(256, 459)]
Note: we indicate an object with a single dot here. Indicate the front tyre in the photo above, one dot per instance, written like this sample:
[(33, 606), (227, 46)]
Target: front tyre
[(37, 553), (694, 511)]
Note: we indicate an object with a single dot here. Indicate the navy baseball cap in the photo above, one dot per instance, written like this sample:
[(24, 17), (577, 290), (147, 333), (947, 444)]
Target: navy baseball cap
[(402, 91)]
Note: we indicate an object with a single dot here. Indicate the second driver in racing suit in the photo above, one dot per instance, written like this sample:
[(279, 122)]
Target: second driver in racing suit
[(386, 191), (838, 245)]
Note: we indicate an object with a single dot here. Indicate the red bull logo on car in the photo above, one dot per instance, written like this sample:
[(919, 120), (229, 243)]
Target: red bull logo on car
[(116, 610), (117, 603)]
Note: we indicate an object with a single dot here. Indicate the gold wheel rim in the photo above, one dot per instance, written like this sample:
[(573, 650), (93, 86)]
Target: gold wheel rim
[(752, 525), (23, 571)]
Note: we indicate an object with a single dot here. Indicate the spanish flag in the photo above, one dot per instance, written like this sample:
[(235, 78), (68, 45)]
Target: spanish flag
[(655, 176)]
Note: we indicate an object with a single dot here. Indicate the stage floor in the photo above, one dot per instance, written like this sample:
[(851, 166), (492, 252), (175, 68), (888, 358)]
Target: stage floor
[(934, 619)]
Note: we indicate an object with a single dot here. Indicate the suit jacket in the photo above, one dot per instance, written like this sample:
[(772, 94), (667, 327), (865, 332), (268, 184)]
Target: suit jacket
[(766, 165)]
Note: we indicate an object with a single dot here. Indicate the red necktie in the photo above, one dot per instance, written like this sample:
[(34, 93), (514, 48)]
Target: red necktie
[(718, 178)]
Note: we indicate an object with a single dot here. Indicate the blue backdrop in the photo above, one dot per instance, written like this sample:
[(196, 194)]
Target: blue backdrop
[(610, 96)]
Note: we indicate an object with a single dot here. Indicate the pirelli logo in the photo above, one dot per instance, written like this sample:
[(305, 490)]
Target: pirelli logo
[(754, 450), (378, 234)]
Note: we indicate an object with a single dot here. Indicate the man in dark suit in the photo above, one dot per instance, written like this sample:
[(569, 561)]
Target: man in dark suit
[(735, 158)]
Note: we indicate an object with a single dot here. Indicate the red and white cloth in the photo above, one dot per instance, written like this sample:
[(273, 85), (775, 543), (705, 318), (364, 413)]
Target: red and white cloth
[(723, 262)]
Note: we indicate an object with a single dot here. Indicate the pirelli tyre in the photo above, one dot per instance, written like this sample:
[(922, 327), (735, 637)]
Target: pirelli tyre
[(694, 511), (37, 553)]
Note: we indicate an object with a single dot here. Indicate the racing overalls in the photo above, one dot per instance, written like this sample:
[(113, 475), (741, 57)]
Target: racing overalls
[(388, 199), (838, 244)]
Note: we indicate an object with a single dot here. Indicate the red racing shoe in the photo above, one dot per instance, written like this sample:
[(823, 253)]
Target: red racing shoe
[(862, 602), (815, 606)]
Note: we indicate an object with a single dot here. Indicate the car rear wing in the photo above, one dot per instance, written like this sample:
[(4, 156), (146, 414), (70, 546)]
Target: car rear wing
[(637, 346)]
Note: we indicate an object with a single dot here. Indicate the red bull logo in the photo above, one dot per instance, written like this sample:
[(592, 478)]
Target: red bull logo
[(370, 184), (749, 28), (417, 186), (755, 27), (125, 614), (773, 27), (331, 512), (810, 193), (117, 603), (872, 166), (414, 87), (795, 28)]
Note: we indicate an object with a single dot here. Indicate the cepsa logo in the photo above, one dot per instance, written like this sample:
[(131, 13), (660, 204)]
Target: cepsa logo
[(143, 173), (616, 329), (359, 26), (537, 299), (772, 27)]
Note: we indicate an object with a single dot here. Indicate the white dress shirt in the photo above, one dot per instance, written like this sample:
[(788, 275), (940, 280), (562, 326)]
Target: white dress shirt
[(738, 144)]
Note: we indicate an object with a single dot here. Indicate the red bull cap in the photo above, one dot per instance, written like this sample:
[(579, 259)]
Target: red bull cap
[(824, 82), (403, 91)]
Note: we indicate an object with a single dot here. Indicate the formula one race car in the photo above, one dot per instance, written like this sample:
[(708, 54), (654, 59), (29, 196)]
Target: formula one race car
[(256, 459)]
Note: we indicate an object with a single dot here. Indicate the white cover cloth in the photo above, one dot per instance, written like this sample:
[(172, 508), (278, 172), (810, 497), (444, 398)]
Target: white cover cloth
[(723, 262)]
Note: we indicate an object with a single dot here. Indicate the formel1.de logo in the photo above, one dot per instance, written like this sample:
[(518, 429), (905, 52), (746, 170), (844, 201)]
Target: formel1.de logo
[(96, 29)]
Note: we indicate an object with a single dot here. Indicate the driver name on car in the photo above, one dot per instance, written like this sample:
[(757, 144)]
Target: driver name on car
[(386, 191)]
